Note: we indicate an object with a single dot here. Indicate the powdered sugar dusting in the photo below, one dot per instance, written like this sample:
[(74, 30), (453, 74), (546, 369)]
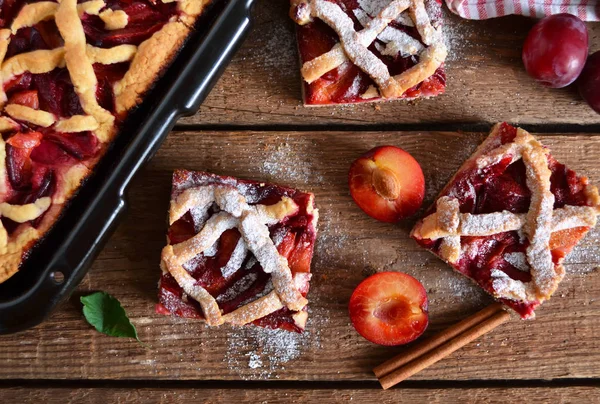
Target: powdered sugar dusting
[(251, 222), (489, 223), (450, 289), (517, 260), (284, 164), (262, 349), (373, 7), (396, 40), (428, 33), (238, 287), (354, 44), (212, 250), (236, 260), (507, 287), (538, 225), (194, 262), (586, 255), (199, 216), (255, 353), (254, 362), (456, 33)]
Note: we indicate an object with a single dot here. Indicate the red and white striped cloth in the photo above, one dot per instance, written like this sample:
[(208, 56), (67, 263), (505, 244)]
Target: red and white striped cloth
[(587, 10)]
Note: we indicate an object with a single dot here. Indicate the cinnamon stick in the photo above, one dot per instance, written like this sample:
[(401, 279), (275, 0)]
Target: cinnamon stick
[(436, 340), (443, 350)]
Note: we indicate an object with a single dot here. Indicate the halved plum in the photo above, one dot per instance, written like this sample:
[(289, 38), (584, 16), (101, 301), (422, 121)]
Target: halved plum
[(387, 183), (389, 308)]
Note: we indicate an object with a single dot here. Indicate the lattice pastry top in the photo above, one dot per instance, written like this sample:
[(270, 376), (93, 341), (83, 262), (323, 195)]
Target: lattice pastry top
[(252, 221), (375, 17), (79, 57), (69, 74), (536, 226)]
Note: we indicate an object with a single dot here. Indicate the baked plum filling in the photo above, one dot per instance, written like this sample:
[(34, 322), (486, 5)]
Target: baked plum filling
[(8, 10), (52, 92), (50, 141), (347, 83), (235, 280), (503, 187), (72, 71), (144, 19), (35, 153)]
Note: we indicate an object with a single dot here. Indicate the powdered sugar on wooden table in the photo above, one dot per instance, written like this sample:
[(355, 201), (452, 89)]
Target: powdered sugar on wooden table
[(454, 35), (585, 256), (284, 164), (256, 353), (262, 349)]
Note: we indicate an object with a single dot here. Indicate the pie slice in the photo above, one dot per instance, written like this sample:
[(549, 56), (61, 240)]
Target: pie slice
[(355, 51), (70, 72), (508, 218), (238, 252)]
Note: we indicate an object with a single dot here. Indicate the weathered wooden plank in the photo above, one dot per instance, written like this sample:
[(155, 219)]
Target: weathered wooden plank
[(561, 343), (486, 81), (275, 396)]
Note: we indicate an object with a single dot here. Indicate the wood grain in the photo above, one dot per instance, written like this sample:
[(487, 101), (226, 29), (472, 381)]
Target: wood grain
[(486, 81), (561, 343), (281, 396)]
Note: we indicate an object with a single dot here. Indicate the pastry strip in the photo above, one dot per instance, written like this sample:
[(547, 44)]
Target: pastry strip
[(251, 221)]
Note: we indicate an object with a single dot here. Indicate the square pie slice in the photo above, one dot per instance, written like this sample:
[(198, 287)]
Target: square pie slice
[(355, 51), (508, 218), (238, 252), (70, 72)]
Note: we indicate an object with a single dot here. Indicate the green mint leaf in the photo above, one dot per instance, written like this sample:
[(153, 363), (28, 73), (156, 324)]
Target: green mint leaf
[(106, 314)]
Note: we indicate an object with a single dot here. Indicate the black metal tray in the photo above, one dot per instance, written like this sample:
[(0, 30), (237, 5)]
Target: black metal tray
[(60, 261)]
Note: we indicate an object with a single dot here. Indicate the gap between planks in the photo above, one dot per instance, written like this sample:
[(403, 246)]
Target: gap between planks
[(441, 127), (292, 385)]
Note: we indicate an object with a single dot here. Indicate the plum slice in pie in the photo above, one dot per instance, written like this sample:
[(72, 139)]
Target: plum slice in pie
[(355, 51), (509, 217), (70, 72), (238, 252)]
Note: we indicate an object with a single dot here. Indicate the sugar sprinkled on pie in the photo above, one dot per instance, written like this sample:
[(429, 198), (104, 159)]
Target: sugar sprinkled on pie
[(249, 259), (357, 51), (509, 217)]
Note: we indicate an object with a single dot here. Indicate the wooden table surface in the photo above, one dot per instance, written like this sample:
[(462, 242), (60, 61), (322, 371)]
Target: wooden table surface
[(254, 126)]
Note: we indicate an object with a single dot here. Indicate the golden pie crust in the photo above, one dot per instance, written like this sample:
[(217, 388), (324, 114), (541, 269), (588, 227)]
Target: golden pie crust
[(148, 61)]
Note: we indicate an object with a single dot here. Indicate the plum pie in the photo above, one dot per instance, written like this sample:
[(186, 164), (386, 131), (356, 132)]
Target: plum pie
[(238, 252), (70, 72), (508, 218), (355, 51)]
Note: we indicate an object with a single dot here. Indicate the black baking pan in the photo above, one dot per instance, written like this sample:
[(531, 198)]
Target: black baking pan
[(59, 262)]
